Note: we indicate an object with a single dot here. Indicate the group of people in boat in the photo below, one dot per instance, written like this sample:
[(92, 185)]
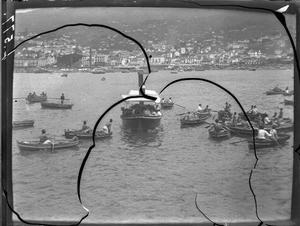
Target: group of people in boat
[(169, 101), (106, 129), (200, 109), (143, 109), (33, 95), (46, 139)]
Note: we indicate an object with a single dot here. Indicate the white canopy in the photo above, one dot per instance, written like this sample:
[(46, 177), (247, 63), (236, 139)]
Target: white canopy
[(151, 93)]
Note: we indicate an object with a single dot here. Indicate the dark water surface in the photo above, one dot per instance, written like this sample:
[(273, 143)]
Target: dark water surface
[(151, 176)]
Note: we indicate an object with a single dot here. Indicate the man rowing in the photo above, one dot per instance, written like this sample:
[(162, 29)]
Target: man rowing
[(85, 128), (262, 133), (44, 139)]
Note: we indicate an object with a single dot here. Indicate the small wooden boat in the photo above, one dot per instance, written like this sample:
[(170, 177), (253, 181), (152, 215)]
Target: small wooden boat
[(98, 71), (275, 91), (224, 114), (251, 116), (103, 79), (174, 72), (241, 130), (166, 105), (288, 102), (264, 143), (23, 124), (284, 127), (50, 105), (287, 94), (64, 75), (36, 98), (193, 120), (203, 113), (86, 135), (56, 144), (223, 134)]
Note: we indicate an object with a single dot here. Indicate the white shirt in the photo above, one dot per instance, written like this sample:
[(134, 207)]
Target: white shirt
[(158, 114), (262, 133), (273, 133), (105, 129), (267, 120), (199, 108)]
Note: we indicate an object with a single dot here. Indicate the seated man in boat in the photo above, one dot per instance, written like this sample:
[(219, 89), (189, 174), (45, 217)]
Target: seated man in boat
[(163, 100), (107, 127), (85, 128), (170, 100), (199, 108), (218, 126), (44, 139), (255, 110), (262, 133), (234, 119), (29, 96), (250, 111), (273, 133), (287, 90), (206, 108), (34, 94), (267, 121), (280, 113), (227, 107), (187, 116), (158, 113)]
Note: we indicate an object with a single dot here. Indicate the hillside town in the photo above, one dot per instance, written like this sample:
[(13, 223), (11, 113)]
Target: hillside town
[(213, 51)]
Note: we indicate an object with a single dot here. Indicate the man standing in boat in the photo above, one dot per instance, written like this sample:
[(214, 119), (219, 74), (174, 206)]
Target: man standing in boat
[(62, 98)]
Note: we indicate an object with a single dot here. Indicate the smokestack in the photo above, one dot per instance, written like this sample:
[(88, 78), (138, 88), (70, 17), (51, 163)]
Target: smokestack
[(141, 78)]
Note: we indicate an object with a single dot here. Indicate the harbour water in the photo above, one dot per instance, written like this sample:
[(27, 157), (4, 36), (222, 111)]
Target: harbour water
[(151, 176)]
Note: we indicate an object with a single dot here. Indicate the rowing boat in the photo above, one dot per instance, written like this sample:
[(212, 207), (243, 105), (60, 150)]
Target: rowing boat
[(56, 144), (288, 102), (86, 134), (264, 143), (223, 134), (36, 98), (23, 124), (56, 105), (192, 120), (166, 105)]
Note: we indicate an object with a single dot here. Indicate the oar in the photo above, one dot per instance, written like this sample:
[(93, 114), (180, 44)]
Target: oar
[(237, 142), (56, 98), (179, 105), (19, 98)]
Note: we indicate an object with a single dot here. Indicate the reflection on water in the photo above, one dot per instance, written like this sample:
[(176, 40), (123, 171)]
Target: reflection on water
[(146, 138)]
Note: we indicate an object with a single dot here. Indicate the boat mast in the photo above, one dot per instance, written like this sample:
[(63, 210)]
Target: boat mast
[(140, 75)]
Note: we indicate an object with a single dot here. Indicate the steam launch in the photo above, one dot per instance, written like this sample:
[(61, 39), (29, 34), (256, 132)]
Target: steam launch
[(141, 113)]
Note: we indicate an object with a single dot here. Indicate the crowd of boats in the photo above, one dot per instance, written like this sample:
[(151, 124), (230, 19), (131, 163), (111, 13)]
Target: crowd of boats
[(143, 114)]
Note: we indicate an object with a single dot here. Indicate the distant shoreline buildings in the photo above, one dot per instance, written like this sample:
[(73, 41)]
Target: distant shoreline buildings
[(64, 52)]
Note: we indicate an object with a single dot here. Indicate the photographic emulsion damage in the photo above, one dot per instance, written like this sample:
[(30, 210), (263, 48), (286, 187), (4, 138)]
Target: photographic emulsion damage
[(130, 115)]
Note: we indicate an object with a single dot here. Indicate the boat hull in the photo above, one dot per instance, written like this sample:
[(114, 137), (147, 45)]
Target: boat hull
[(86, 135), (141, 122), (56, 105), (288, 102), (224, 134), (268, 143), (36, 99), (193, 121), (37, 146), (166, 105), (23, 124)]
